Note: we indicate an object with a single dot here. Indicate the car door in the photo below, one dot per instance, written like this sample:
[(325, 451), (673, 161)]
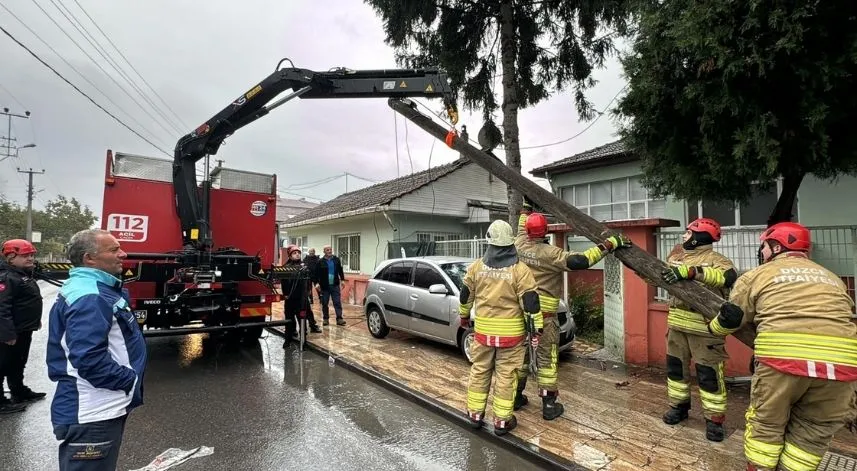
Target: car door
[(430, 311), (393, 291)]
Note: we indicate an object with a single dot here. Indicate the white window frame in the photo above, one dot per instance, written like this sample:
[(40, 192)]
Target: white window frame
[(628, 202), (334, 243), (738, 209)]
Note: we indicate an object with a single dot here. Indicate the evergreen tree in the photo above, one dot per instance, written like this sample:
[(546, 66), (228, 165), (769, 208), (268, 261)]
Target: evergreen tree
[(534, 47), (725, 94)]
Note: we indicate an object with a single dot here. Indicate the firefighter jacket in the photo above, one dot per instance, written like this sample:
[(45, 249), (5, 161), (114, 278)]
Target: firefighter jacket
[(20, 302), (802, 315), (502, 289), (547, 261), (713, 271)]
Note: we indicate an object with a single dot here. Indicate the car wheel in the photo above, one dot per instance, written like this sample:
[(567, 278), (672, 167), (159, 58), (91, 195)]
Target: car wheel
[(466, 339), (375, 321)]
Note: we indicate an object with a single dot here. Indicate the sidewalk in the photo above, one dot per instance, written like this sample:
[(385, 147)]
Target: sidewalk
[(612, 418)]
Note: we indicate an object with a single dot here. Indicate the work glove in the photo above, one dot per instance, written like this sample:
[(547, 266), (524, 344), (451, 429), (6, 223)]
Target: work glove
[(615, 242), (677, 273), (534, 340), (465, 322), (527, 206)]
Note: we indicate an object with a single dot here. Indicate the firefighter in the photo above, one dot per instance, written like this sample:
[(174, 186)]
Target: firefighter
[(20, 316), (688, 335), (296, 295), (548, 263), (805, 351), (503, 290)]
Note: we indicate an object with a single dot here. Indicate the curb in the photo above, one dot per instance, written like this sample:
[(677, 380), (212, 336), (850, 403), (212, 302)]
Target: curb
[(520, 447)]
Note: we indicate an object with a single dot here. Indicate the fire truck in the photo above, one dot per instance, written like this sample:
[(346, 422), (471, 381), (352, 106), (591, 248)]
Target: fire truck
[(203, 255)]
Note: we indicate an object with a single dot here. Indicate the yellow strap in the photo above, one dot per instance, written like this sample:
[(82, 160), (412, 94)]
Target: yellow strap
[(548, 303), (504, 327), (687, 319), (796, 459), (718, 329), (812, 347), (713, 277)]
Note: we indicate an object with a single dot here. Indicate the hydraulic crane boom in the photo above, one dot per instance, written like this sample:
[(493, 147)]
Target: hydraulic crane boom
[(252, 105)]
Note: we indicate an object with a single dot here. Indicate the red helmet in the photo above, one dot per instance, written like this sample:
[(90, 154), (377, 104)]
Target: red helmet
[(536, 225), (791, 235), (292, 248), (707, 225), (18, 246)]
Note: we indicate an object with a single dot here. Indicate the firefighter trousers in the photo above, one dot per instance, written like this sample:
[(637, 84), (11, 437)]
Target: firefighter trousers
[(548, 355), (501, 364), (792, 419), (709, 353)]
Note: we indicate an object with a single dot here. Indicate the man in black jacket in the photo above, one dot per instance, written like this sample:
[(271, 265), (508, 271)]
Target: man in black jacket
[(311, 261), (20, 316), (329, 279)]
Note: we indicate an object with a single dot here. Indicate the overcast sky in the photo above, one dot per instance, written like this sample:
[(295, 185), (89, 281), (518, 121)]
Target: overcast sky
[(199, 57)]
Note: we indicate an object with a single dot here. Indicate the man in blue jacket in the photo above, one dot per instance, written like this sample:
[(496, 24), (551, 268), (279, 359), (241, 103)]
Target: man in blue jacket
[(96, 354)]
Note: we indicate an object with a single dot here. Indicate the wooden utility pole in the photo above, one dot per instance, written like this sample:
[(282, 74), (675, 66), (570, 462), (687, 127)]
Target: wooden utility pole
[(645, 265), (30, 194)]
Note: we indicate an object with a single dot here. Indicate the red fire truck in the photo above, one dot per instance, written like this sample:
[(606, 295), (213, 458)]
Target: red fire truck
[(203, 256)]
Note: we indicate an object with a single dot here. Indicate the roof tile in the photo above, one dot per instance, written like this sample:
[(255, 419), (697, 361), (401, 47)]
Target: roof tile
[(379, 194)]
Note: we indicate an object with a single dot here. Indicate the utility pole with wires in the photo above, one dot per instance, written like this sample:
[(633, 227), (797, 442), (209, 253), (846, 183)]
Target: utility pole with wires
[(9, 138), (30, 195)]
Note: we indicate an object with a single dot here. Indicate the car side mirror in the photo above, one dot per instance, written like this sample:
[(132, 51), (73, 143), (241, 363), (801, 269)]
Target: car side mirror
[(438, 289)]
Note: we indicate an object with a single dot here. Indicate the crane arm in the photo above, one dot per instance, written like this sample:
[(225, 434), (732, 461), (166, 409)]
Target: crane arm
[(254, 104)]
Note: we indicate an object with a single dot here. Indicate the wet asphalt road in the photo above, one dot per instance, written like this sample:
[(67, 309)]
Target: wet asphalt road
[(260, 408)]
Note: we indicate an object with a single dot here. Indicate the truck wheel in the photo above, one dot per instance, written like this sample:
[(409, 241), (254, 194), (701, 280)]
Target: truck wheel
[(375, 321)]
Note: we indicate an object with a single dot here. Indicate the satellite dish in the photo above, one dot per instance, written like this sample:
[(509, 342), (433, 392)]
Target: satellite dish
[(489, 136)]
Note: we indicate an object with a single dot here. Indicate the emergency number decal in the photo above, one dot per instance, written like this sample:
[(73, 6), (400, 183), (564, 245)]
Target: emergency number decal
[(258, 208), (128, 227)]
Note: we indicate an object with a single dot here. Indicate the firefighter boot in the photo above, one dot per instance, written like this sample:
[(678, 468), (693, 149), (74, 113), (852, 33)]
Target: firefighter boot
[(714, 431), (550, 408), (502, 427), (475, 418), (676, 414), (520, 399)]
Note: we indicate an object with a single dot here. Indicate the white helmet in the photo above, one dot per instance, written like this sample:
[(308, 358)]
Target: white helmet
[(500, 234)]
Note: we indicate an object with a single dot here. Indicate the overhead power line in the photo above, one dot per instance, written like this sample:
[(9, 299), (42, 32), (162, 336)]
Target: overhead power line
[(98, 65), (72, 67), (13, 38), (79, 26), (132, 66)]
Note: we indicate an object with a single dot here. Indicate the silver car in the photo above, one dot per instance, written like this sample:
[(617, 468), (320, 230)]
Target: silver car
[(419, 295)]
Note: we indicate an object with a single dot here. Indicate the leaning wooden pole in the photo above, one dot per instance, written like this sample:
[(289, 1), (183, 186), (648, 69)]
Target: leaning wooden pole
[(645, 265)]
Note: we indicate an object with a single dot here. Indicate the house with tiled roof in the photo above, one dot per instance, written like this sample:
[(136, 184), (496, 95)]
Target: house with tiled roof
[(454, 201), (605, 182)]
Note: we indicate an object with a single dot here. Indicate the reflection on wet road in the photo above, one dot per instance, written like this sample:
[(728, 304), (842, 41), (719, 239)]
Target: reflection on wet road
[(260, 408)]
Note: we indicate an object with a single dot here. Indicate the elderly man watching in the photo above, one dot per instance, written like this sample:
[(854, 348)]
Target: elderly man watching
[(96, 354), (329, 279)]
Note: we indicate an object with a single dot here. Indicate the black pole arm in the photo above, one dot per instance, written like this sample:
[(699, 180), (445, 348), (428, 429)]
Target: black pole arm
[(252, 105)]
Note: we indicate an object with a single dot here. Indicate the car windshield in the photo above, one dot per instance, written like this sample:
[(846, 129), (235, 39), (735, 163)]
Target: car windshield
[(455, 271)]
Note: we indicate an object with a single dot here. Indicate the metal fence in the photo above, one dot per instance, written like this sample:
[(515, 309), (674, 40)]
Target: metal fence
[(470, 248), (832, 246)]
